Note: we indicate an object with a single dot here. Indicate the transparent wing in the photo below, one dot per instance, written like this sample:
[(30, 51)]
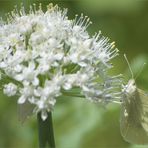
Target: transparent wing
[(144, 111), (24, 111), (132, 125)]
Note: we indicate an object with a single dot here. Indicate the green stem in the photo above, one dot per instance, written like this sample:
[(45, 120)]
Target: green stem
[(46, 134)]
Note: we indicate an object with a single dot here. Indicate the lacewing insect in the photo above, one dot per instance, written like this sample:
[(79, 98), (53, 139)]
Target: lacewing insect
[(134, 113)]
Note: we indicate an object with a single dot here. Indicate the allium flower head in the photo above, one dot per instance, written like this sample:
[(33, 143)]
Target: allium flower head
[(44, 56)]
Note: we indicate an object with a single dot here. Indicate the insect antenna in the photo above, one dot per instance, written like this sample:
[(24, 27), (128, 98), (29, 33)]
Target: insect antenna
[(129, 66), (140, 71)]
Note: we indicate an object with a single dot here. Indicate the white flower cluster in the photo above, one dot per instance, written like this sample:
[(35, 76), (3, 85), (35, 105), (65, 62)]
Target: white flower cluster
[(44, 55)]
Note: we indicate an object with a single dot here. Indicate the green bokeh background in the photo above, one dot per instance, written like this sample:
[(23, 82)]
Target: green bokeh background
[(79, 123)]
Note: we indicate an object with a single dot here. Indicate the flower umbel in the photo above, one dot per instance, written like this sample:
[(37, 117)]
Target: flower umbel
[(44, 55)]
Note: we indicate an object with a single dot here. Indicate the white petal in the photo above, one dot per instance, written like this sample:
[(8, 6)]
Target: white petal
[(35, 81), (21, 100), (67, 86), (44, 115), (19, 77), (52, 102), (3, 65)]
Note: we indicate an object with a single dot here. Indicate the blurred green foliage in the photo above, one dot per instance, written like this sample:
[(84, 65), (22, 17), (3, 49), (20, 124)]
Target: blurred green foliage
[(79, 123)]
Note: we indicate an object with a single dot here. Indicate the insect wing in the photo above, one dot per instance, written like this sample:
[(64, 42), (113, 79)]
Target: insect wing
[(24, 111), (144, 113), (134, 118)]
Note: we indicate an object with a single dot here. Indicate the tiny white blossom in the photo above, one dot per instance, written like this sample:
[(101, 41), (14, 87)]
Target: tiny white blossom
[(10, 89), (45, 55)]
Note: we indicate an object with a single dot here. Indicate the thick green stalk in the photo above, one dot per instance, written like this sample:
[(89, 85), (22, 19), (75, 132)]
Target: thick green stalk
[(46, 134)]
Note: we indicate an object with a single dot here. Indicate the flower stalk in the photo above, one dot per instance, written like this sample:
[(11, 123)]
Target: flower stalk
[(45, 130)]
